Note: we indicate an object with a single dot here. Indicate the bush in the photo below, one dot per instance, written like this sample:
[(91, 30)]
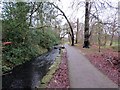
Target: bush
[(26, 43), (35, 43)]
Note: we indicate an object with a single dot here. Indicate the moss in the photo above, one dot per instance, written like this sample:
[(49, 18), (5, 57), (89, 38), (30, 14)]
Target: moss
[(46, 79), (43, 86)]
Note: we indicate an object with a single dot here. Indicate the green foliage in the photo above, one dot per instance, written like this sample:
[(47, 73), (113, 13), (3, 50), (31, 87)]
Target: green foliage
[(49, 40), (26, 43), (5, 68)]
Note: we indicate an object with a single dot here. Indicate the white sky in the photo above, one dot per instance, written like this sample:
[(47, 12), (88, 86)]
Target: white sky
[(65, 6)]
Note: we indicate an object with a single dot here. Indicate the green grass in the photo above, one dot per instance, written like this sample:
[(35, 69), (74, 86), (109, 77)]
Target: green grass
[(114, 46), (116, 43)]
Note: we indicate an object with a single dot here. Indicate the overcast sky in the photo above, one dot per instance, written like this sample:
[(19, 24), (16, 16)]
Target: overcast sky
[(65, 6)]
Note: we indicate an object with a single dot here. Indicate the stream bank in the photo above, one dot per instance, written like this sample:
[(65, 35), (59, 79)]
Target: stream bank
[(29, 74)]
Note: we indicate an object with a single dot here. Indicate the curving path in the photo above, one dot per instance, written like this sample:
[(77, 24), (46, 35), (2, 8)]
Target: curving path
[(83, 74)]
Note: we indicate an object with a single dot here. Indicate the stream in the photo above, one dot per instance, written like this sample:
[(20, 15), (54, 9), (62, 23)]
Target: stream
[(29, 74)]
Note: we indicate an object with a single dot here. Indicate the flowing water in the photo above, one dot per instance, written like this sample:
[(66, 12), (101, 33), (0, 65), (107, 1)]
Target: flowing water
[(29, 74)]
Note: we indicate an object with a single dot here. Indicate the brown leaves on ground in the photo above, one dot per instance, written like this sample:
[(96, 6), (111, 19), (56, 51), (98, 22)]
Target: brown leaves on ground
[(107, 61), (60, 78), (100, 61)]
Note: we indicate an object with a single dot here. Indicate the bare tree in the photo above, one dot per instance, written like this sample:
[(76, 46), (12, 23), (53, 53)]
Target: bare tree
[(105, 41), (98, 8), (72, 34), (99, 35), (86, 29), (77, 31), (114, 29)]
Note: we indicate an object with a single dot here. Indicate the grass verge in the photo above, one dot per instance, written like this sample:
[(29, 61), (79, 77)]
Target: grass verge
[(46, 79)]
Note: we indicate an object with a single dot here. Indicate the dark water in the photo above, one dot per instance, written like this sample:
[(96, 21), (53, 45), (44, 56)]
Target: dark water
[(29, 74)]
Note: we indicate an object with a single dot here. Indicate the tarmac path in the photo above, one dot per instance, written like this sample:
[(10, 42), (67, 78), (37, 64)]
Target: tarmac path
[(83, 74)]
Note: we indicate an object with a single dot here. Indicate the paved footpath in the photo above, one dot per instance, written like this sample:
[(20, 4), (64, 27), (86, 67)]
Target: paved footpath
[(83, 74)]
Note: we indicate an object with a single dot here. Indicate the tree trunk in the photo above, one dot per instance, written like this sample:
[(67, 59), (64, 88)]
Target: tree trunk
[(86, 29), (99, 41), (72, 34), (105, 38), (77, 31), (111, 42), (69, 39)]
